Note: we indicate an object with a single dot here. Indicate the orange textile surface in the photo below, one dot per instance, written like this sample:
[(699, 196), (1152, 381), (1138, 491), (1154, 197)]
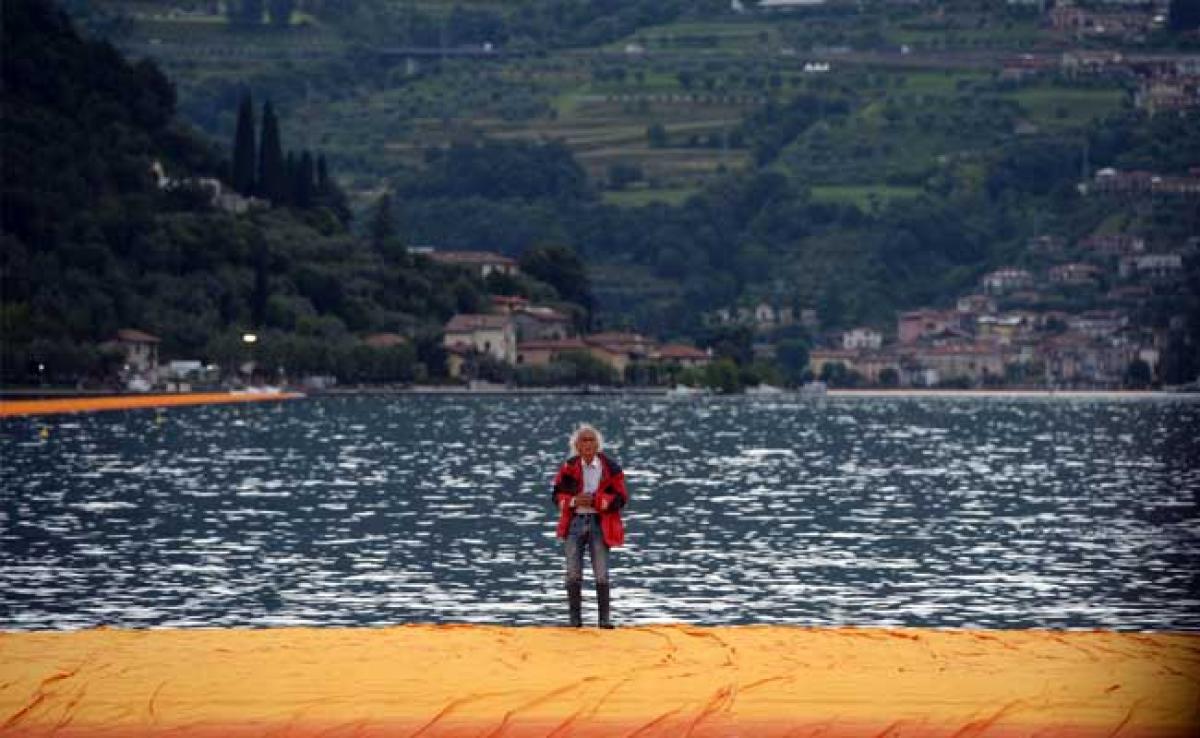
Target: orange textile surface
[(662, 680), (131, 402)]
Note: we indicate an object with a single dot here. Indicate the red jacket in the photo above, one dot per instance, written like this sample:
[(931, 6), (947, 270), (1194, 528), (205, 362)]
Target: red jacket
[(611, 496)]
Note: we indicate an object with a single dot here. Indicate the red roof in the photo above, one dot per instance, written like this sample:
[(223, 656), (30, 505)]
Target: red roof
[(680, 351), (969, 349), (132, 335), (385, 340), (561, 344), (470, 322), (832, 354)]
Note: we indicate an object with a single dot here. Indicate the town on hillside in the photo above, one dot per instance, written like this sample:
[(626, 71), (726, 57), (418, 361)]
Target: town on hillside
[(1075, 322), (541, 343)]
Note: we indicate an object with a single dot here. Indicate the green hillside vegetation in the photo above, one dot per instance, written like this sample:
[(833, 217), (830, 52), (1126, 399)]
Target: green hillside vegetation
[(600, 77), (707, 163), (92, 243)]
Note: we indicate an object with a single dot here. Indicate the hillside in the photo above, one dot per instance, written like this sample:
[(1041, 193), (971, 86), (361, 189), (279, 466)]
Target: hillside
[(95, 240), (848, 160)]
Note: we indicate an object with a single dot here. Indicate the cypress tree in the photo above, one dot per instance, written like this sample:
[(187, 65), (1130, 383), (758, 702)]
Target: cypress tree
[(262, 282), (383, 225), (322, 176), (272, 176), (1183, 15), (329, 194), (281, 12), (303, 188), (252, 12), (243, 148), (291, 172)]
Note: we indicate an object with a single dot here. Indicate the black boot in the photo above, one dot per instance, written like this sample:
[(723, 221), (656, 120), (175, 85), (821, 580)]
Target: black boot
[(603, 593), (575, 602)]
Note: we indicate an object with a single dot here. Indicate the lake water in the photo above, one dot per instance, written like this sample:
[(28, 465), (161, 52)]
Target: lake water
[(369, 510)]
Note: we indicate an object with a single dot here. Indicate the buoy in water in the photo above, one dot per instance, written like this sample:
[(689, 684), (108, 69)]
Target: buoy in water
[(44, 432)]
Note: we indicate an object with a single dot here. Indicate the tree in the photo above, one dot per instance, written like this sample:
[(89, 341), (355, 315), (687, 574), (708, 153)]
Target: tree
[(835, 374), (1138, 374), (656, 135), (272, 172), (621, 174), (383, 223), (561, 268), (243, 148), (262, 287), (323, 181), (281, 12), (1183, 15), (723, 376), (328, 193), (792, 354), (303, 187), (248, 12)]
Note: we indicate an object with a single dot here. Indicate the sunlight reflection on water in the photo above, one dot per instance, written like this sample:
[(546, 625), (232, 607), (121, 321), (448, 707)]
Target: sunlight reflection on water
[(373, 510)]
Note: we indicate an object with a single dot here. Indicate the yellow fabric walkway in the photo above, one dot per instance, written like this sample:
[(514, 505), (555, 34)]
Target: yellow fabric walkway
[(58, 405), (670, 680)]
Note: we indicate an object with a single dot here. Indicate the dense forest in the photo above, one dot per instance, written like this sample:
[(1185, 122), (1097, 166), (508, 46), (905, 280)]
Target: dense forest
[(93, 242)]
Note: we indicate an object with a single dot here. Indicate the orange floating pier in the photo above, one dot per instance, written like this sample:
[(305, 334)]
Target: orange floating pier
[(663, 680), (9, 408)]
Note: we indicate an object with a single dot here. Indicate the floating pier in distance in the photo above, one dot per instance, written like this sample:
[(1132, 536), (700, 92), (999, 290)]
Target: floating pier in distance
[(58, 405)]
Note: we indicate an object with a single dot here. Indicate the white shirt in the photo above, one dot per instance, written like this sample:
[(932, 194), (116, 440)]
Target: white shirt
[(591, 481)]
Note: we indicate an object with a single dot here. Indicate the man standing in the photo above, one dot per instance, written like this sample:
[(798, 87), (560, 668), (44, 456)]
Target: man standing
[(589, 491)]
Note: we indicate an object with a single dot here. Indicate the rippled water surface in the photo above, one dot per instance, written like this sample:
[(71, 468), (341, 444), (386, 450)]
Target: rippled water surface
[(993, 512)]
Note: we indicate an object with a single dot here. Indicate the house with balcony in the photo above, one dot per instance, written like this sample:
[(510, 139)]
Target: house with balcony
[(973, 362), (482, 263), (915, 325), (1074, 274), (862, 339), (1156, 267), (1007, 279), (976, 304), (482, 335), (1098, 323), (140, 350), (818, 359), (1115, 244), (677, 354), (540, 352), (539, 323)]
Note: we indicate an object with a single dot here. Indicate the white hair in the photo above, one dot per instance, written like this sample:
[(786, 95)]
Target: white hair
[(585, 428)]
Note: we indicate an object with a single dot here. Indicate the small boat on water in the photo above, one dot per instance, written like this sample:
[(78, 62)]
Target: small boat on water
[(682, 391), (258, 390), (815, 388), (764, 390)]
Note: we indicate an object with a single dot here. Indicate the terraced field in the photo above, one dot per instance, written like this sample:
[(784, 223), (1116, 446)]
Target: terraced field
[(696, 80)]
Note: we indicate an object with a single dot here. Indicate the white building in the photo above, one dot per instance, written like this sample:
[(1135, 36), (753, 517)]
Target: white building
[(862, 338), (1006, 280), (494, 335)]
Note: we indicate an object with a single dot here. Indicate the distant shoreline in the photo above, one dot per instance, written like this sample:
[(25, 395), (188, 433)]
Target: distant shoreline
[(50, 402)]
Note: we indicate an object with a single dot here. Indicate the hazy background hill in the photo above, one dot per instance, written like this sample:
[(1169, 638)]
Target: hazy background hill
[(853, 159)]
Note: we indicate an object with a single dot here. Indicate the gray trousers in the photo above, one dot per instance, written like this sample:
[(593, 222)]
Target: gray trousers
[(585, 533)]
